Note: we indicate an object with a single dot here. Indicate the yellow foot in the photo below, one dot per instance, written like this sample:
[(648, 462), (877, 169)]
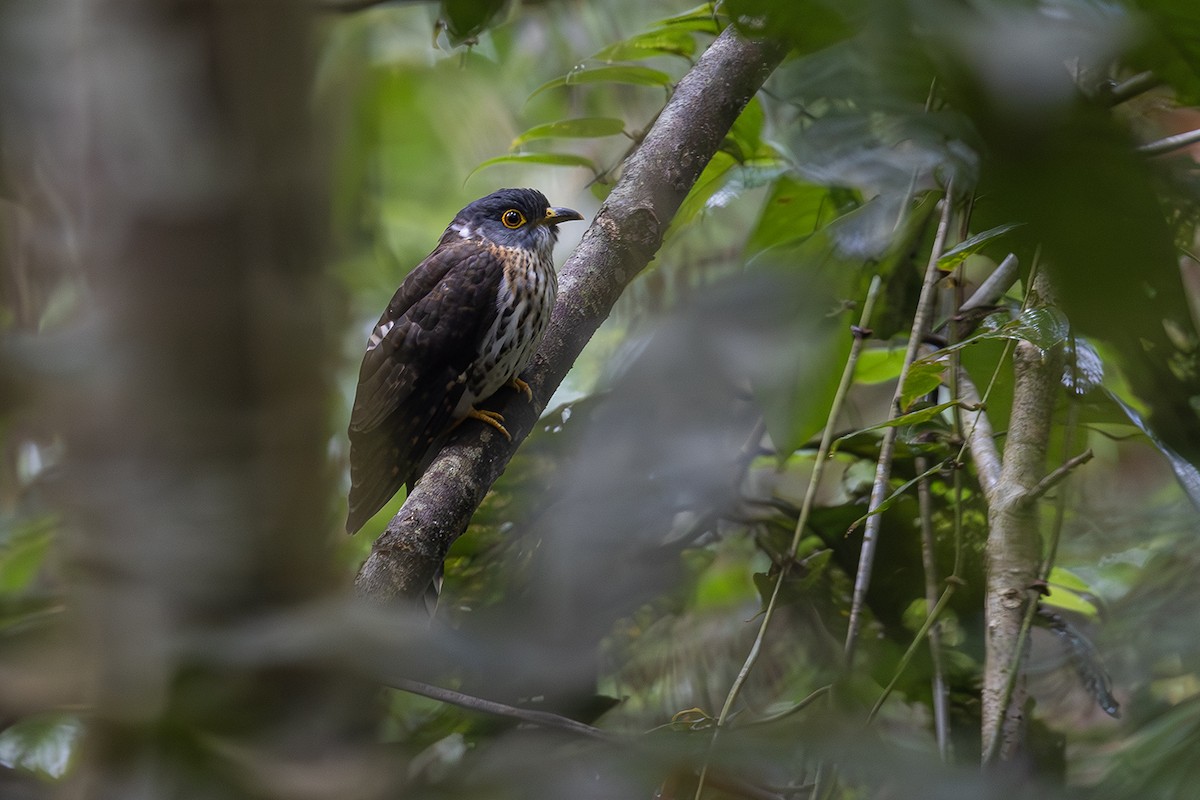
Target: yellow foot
[(493, 418), (522, 387)]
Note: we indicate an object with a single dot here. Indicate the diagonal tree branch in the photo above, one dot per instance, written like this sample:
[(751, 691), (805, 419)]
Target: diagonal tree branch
[(624, 236)]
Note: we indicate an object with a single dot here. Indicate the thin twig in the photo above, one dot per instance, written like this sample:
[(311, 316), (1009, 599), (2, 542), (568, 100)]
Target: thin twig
[(1063, 470), (1170, 144), (932, 617), (1115, 94), (883, 468), (350, 6), (813, 697), (941, 711), (542, 719)]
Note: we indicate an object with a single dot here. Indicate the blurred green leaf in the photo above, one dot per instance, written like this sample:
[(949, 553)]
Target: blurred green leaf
[(635, 75), (968, 247), (553, 159), (744, 140), (793, 212), (712, 178), (879, 364), (43, 744), (23, 556), (809, 25), (466, 19), (801, 579), (1170, 45), (659, 42), (701, 18), (578, 128)]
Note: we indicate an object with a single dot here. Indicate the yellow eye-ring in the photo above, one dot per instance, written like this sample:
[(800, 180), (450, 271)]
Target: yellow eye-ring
[(512, 218)]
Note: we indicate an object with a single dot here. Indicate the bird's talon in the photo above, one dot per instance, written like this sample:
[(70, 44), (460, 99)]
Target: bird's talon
[(493, 418), (522, 387)]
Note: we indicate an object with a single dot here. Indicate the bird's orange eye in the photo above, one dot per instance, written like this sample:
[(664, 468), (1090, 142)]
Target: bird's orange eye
[(512, 218)]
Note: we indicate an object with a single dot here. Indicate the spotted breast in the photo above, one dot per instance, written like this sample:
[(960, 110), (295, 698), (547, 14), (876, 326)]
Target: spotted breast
[(524, 301)]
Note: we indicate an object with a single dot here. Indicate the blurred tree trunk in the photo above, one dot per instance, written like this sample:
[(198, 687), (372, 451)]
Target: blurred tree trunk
[(167, 154)]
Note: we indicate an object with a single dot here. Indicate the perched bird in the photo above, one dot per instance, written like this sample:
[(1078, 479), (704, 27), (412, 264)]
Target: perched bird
[(463, 324)]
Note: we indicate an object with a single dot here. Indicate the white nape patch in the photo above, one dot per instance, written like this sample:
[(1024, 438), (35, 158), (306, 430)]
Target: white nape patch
[(463, 229), (379, 334)]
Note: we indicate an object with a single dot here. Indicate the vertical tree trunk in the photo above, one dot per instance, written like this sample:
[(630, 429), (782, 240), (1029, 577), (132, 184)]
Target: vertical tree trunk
[(175, 138), (1014, 547)]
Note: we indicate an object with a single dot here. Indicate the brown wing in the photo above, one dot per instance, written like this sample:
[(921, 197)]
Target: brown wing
[(411, 380)]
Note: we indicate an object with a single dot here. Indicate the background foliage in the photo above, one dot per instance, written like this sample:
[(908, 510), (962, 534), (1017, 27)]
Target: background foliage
[(618, 572)]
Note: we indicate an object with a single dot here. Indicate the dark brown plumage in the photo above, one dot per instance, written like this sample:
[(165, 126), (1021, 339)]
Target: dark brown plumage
[(464, 323)]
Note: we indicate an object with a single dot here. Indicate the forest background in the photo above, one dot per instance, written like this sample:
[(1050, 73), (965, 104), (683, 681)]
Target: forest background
[(867, 447)]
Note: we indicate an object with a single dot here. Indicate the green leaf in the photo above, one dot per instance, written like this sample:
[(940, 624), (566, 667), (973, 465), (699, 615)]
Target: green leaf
[(1045, 327), (969, 247), (658, 42), (1170, 45), (577, 128), (701, 18), (714, 176), (553, 159), (43, 744), (744, 140), (810, 25), (638, 76), (800, 580), (1069, 592), (923, 377), (911, 418), (791, 214), (879, 364), (466, 19), (895, 495), (21, 560)]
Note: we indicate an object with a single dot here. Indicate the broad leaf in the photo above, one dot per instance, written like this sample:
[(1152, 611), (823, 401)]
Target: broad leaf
[(968, 247), (577, 128), (879, 364), (659, 42), (792, 213), (553, 159), (635, 75), (923, 377), (912, 418)]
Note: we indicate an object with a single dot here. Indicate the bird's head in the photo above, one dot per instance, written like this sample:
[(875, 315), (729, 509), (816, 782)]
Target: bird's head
[(512, 218)]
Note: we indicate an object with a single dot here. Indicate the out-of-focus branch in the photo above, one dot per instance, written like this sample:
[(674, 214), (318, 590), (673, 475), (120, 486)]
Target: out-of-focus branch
[(541, 718), (349, 6), (1170, 144), (624, 236), (1116, 93)]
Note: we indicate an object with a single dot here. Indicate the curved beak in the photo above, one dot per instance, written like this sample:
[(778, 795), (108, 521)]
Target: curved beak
[(555, 215)]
